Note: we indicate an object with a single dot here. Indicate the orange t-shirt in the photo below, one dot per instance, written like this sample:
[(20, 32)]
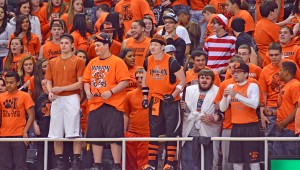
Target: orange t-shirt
[(220, 7), (99, 2), (31, 85), (291, 51), (51, 50), (179, 2), (104, 75), (297, 119), (99, 22), (258, 15), (287, 99), (81, 43), (270, 83), (158, 77), (265, 32), (65, 72), (138, 117), (115, 49), (15, 62), (198, 5), (245, 15), (240, 113), (132, 10), (192, 77), (132, 81), (140, 49), (13, 112), (34, 45), (45, 23), (65, 18), (254, 72)]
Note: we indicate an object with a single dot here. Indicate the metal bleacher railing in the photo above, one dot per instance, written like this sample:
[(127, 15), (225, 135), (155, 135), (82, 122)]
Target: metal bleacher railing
[(124, 140)]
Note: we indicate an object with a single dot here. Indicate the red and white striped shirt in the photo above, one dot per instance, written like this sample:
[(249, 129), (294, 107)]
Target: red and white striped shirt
[(219, 50)]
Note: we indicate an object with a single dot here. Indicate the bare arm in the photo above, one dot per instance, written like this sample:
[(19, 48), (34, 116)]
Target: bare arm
[(182, 81), (41, 53), (71, 87), (253, 57), (120, 86), (126, 122), (31, 117), (289, 119), (187, 49), (123, 45)]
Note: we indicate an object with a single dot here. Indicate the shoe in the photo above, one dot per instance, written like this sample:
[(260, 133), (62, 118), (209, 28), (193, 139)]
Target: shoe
[(75, 166), (59, 165), (117, 167), (96, 167), (148, 167), (168, 167)]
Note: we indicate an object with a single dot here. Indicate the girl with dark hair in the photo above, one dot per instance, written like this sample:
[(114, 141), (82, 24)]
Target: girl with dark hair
[(2, 85), (36, 5), (6, 30), (76, 6), (30, 40), (234, 7), (149, 26), (25, 71), (127, 55), (80, 32), (3, 3), (35, 86), (82, 54), (24, 8), (117, 23), (53, 9), (15, 54)]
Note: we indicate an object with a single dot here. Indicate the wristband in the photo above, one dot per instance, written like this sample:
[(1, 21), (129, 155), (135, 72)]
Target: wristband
[(111, 92), (145, 91), (180, 87)]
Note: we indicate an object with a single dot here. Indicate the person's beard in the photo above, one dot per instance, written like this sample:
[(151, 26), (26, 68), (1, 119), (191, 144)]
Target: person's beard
[(204, 88)]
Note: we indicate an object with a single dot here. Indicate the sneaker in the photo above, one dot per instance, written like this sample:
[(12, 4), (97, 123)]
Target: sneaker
[(168, 167), (59, 165), (148, 167), (75, 166), (96, 167), (117, 167)]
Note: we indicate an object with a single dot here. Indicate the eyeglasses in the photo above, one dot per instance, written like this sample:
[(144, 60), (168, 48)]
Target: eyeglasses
[(237, 71)]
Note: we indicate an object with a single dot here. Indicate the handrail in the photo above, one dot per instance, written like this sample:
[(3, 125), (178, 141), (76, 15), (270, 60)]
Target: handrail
[(124, 140)]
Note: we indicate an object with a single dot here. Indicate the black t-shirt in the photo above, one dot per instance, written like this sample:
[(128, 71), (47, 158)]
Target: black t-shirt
[(245, 38)]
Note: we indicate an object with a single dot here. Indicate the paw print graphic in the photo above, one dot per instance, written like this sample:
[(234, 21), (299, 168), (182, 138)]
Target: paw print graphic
[(8, 103)]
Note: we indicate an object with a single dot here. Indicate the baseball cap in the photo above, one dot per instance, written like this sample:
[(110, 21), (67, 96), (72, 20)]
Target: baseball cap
[(170, 48), (102, 37), (57, 22), (107, 26), (159, 39), (69, 36), (241, 66), (171, 16), (222, 19)]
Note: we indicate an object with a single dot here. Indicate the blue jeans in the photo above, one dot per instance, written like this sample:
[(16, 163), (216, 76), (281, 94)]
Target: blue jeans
[(187, 160), (197, 17), (271, 130), (285, 148)]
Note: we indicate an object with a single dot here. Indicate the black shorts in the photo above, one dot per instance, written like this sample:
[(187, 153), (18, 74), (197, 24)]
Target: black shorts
[(105, 122), (245, 152), (168, 121)]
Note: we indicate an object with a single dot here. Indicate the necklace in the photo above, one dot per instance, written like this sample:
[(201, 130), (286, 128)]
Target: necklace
[(64, 61)]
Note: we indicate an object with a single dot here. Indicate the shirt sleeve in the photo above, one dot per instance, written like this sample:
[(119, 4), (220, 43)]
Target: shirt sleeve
[(86, 78), (28, 101), (80, 68), (253, 96)]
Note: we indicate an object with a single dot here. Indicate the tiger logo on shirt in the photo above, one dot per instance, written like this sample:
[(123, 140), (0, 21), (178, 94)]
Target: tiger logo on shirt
[(157, 73), (276, 84), (126, 13)]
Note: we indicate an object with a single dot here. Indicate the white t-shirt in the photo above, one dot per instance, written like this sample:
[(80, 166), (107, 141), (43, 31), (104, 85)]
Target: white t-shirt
[(182, 33)]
